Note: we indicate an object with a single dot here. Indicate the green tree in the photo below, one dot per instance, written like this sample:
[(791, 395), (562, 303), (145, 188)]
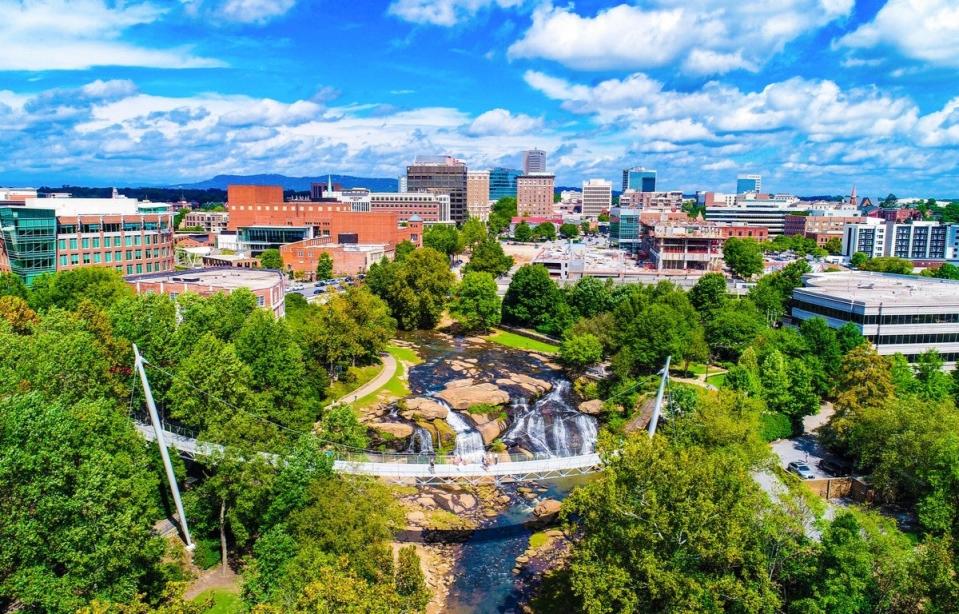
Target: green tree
[(18, 314), (67, 289), (473, 233), (849, 336), (744, 257), (858, 259), (709, 293), (77, 506), (340, 426), (732, 327), (944, 271), (415, 289), (772, 292), (12, 285), (501, 214), (589, 297), (932, 383), (410, 582), (863, 383), (523, 232), (578, 352), (569, 230), (532, 297), (823, 343), (403, 249), (271, 259), (475, 305), (833, 246), (488, 256), (888, 264), (584, 227), (324, 266), (545, 231), (444, 238)]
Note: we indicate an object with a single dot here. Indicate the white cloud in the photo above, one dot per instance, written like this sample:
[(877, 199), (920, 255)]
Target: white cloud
[(925, 30), (443, 12), (255, 11), (705, 36), (79, 34), (501, 121)]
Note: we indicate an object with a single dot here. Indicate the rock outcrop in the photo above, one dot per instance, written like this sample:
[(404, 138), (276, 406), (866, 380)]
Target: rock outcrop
[(465, 396), (592, 408), (547, 508), (531, 385), (419, 408), (394, 429)]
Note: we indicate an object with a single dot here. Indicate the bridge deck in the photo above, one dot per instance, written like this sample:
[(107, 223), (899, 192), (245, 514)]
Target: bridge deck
[(397, 467)]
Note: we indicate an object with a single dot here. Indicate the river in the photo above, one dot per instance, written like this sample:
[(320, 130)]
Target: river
[(546, 426)]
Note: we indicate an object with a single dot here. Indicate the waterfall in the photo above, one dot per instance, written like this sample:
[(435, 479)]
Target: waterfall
[(551, 427), (421, 442), (469, 442)]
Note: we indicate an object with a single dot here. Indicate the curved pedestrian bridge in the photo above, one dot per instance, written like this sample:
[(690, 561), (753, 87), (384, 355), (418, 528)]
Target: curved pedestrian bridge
[(415, 468)]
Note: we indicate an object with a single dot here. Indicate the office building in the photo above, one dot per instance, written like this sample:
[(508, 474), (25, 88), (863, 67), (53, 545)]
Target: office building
[(746, 184), (44, 235), (639, 179), (820, 225), (534, 195), (428, 206), (502, 183), (477, 194), (898, 313), (534, 161), (302, 257), (263, 220), (268, 286), (921, 242), (651, 200), (625, 229), (401, 184), (440, 175), (597, 197), (208, 221), (754, 210)]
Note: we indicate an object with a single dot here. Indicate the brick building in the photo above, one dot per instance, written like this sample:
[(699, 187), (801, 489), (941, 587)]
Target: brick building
[(303, 256), (268, 286), (534, 195)]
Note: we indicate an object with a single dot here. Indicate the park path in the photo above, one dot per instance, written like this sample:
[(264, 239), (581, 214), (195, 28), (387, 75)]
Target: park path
[(389, 369)]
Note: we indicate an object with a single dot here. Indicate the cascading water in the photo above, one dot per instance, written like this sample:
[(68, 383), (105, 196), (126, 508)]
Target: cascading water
[(469, 442), (551, 427), (421, 442)]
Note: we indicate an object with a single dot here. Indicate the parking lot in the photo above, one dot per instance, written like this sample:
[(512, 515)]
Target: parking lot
[(311, 290)]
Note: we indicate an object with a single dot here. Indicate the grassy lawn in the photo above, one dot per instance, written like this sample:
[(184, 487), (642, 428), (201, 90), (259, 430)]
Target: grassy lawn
[(360, 376), (520, 342), (396, 386), (225, 601), (718, 380), (695, 368)]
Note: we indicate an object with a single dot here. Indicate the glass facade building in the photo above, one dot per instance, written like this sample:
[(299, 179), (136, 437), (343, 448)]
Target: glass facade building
[(639, 179), (624, 229), (502, 182), (749, 183), (29, 241)]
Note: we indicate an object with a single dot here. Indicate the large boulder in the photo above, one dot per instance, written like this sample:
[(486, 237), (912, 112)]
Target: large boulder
[(419, 408), (460, 383), (491, 430), (531, 385), (463, 397), (395, 429), (592, 408), (547, 507)]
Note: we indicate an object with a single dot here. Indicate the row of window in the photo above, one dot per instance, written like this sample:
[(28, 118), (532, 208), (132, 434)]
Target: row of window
[(140, 226), (923, 338), (95, 258), (94, 242), (892, 319)]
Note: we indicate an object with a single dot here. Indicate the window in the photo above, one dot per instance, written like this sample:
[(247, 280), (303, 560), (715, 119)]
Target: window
[(73, 243), (74, 259), (96, 258), (149, 268), (129, 269), (86, 258), (128, 240), (86, 243), (116, 241), (63, 261), (260, 301), (129, 254), (108, 257), (139, 268), (96, 242), (62, 244)]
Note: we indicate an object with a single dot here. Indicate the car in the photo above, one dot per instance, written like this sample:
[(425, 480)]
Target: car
[(801, 469), (834, 467), (348, 278), (318, 290)]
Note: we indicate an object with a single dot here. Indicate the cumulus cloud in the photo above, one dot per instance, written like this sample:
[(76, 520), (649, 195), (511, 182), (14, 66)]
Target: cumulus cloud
[(239, 11), (79, 34), (443, 12), (705, 36), (925, 30), (501, 121)]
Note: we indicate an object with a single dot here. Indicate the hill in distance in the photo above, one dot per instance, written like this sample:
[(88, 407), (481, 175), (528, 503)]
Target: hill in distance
[(374, 184)]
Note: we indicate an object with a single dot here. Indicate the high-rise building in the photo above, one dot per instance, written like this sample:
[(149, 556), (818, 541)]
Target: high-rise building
[(639, 179), (746, 184), (534, 161), (44, 235), (597, 197), (440, 175), (502, 182), (534, 195), (477, 194)]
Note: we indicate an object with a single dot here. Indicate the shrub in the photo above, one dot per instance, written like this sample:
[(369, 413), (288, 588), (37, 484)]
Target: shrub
[(774, 425), (207, 553)]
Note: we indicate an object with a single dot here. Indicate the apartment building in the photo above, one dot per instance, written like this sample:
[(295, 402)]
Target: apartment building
[(651, 200), (477, 194), (597, 197), (210, 221), (534, 195), (44, 235), (921, 242), (428, 206)]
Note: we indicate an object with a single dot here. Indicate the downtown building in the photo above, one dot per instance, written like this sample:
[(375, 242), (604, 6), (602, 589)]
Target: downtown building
[(534, 161), (502, 183), (45, 235), (924, 243), (905, 314), (428, 207), (534, 195), (639, 179), (749, 184), (478, 194), (597, 198), (440, 175), (652, 200)]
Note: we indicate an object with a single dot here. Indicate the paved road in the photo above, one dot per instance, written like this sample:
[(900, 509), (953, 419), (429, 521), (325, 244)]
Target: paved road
[(389, 368)]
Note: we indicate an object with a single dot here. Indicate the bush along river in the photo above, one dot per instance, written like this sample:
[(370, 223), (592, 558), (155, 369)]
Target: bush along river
[(471, 398)]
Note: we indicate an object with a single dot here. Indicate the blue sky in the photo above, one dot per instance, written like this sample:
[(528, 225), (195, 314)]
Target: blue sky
[(815, 95)]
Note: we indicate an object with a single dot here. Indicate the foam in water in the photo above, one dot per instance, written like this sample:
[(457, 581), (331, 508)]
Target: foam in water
[(420, 442), (469, 442), (552, 427)]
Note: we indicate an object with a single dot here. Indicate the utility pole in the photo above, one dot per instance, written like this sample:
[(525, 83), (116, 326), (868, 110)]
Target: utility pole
[(658, 407), (161, 442)]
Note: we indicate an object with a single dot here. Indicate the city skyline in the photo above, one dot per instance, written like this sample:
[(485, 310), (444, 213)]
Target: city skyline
[(814, 95)]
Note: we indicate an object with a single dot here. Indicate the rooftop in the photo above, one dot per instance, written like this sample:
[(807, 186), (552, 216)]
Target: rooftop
[(893, 290), (229, 278)]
